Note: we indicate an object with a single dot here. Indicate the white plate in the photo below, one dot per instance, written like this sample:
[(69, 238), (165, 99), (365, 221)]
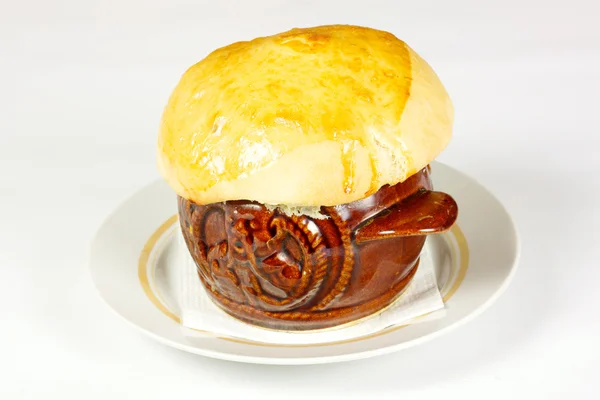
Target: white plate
[(130, 267)]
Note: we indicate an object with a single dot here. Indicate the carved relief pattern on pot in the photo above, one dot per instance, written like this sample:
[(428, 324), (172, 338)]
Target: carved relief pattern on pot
[(275, 264)]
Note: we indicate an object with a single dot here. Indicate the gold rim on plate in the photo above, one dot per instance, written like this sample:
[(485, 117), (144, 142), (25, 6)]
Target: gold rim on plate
[(459, 271)]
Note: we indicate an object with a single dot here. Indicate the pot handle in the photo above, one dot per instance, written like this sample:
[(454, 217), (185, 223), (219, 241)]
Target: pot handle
[(423, 213)]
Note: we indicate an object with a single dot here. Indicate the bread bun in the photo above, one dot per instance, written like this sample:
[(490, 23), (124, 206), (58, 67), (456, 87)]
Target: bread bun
[(309, 117)]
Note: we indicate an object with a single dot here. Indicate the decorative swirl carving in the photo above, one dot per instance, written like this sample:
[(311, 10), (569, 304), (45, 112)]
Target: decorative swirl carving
[(347, 267), (274, 264)]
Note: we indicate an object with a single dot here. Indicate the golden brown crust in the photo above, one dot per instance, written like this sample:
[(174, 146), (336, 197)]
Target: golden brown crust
[(308, 117)]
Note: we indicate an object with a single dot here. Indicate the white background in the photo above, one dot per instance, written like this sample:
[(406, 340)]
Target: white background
[(82, 86)]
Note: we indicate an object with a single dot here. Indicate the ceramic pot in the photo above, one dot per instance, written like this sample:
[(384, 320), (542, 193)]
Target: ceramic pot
[(291, 272)]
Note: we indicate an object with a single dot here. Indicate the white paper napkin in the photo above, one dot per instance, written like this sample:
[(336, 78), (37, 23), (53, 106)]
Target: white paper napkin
[(200, 317)]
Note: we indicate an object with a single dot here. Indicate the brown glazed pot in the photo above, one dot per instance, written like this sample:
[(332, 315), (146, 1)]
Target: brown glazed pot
[(298, 273)]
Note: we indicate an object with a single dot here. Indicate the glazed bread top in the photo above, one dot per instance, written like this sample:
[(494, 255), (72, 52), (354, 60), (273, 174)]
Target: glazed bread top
[(309, 117)]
